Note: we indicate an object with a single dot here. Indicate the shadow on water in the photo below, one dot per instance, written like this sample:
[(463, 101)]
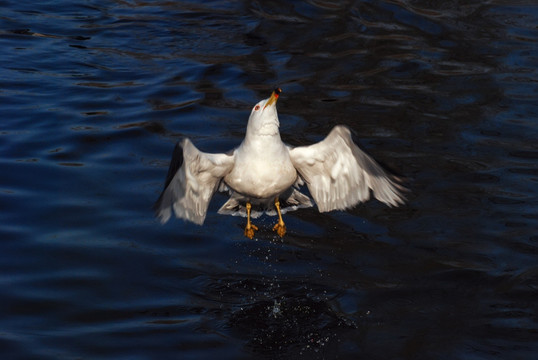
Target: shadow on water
[(278, 300), (281, 318)]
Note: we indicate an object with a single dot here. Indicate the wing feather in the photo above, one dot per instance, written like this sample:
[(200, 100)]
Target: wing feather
[(340, 175), (193, 178)]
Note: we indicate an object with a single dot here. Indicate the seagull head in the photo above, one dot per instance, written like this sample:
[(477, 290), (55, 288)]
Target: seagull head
[(263, 119)]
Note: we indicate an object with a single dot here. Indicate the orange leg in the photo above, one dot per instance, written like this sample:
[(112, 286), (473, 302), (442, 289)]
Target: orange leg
[(280, 227), (250, 228)]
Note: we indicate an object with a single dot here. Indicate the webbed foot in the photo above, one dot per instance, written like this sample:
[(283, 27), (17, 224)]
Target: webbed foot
[(280, 228), (249, 230)]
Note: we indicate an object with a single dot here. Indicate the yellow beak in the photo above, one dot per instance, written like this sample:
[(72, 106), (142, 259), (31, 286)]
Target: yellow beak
[(274, 97)]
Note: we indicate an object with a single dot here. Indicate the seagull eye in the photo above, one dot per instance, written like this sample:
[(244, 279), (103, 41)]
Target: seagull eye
[(257, 107)]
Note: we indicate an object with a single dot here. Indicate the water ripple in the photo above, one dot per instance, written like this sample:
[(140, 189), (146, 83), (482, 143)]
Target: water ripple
[(95, 95)]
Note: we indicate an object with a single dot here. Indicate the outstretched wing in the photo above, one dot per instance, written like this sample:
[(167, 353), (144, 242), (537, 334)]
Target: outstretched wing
[(339, 175), (193, 178)]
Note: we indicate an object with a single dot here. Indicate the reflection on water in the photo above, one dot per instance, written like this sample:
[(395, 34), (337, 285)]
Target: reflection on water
[(95, 95)]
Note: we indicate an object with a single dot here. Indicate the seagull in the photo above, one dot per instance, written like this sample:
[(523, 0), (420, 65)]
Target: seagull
[(264, 175)]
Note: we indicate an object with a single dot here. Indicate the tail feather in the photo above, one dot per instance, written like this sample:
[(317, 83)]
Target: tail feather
[(291, 200)]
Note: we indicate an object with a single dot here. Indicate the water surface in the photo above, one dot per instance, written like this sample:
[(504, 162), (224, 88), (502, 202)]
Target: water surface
[(94, 96)]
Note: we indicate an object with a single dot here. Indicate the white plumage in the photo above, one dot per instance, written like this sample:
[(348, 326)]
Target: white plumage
[(263, 170)]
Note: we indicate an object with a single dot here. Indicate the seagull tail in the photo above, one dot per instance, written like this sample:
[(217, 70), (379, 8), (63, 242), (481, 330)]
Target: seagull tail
[(291, 200)]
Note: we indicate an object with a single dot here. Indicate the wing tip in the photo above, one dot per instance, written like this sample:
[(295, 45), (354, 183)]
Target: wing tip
[(176, 162), (398, 192)]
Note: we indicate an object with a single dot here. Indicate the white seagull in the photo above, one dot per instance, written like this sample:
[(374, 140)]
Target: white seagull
[(263, 172)]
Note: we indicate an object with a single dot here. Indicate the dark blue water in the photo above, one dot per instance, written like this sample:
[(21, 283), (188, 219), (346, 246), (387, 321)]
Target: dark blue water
[(94, 95)]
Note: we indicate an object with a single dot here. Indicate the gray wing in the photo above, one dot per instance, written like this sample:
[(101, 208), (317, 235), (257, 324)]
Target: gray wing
[(193, 178), (339, 175)]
